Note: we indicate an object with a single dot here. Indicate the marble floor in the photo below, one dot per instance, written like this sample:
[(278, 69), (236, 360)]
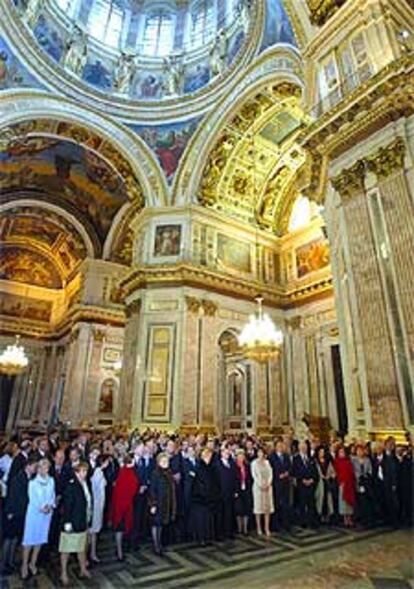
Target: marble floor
[(331, 558)]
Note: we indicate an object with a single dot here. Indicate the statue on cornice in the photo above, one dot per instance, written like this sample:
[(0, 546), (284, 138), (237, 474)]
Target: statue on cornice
[(174, 75), (124, 73), (218, 54), (76, 51), (32, 11)]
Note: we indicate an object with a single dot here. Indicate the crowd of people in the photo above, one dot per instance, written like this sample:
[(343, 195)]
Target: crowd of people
[(60, 493)]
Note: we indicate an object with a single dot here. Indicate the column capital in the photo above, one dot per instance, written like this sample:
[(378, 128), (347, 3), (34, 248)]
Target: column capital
[(350, 181), (387, 160)]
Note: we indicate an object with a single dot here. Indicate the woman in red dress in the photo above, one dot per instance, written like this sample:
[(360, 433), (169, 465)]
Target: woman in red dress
[(126, 487), (346, 482)]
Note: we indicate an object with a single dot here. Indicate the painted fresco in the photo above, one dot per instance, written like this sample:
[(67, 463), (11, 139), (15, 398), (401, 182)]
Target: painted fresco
[(277, 28), (43, 229), (107, 396), (84, 180), (12, 73), (13, 305), (233, 254), (312, 256), (49, 38), (25, 265), (167, 240), (168, 142), (97, 74)]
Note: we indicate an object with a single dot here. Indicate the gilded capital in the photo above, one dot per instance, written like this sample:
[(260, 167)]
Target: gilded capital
[(387, 160), (209, 307), (322, 10), (350, 181), (193, 304), (98, 334)]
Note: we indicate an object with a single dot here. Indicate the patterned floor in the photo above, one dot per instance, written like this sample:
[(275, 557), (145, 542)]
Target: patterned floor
[(218, 565)]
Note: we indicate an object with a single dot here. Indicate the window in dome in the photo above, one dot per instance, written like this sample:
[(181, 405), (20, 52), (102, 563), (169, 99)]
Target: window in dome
[(203, 22), (105, 22), (158, 36)]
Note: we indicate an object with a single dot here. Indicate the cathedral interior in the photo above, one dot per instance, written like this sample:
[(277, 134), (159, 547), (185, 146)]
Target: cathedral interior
[(163, 163)]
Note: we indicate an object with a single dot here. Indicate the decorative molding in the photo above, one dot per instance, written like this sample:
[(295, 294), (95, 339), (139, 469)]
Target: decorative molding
[(133, 308), (98, 334), (193, 304), (387, 160)]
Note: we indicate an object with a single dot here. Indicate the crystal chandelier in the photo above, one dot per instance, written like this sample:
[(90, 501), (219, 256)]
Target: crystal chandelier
[(260, 340), (13, 359)]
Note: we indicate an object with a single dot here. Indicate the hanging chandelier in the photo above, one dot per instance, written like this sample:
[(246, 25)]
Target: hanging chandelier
[(260, 340), (13, 359)]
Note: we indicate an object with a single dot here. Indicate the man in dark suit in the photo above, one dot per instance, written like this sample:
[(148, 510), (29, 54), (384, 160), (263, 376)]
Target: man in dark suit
[(306, 476), (280, 463), (227, 476), (190, 467), (384, 474), (144, 465), (21, 458), (15, 508)]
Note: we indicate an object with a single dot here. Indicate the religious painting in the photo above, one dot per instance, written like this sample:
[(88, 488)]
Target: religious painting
[(148, 86), (312, 256), (13, 73), (233, 254), (59, 170), (13, 305), (107, 396), (49, 38), (168, 142), (280, 127), (278, 28), (197, 78), (167, 240), (97, 74), (28, 266)]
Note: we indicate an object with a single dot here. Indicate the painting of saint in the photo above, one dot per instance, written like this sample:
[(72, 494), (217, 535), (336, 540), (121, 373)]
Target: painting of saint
[(167, 240), (106, 399), (233, 254), (150, 87), (312, 257), (97, 75)]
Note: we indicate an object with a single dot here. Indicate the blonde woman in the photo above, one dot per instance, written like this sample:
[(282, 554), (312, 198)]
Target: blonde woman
[(262, 474), (38, 516)]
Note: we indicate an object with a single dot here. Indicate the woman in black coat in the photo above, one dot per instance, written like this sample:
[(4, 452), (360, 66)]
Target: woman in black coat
[(244, 499), (162, 500), (14, 512), (205, 497), (76, 515)]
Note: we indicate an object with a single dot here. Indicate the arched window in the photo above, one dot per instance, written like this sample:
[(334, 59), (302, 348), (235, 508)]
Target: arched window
[(203, 22), (105, 21), (158, 37)]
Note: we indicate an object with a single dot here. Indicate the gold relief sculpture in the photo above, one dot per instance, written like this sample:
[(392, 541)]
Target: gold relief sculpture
[(241, 182), (135, 192), (214, 167), (350, 181), (322, 10), (387, 160)]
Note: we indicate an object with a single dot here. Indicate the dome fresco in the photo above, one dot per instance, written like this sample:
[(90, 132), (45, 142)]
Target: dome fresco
[(150, 50)]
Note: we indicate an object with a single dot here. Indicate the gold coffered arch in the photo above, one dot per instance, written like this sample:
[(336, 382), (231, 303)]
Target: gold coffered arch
[(253, 163)]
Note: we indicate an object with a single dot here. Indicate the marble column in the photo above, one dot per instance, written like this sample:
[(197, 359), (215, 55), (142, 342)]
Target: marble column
[(129, 363), (376, 343)]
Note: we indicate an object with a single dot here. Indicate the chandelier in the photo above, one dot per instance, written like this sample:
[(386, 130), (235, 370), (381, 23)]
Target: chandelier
[(13, 359), (260, 340)]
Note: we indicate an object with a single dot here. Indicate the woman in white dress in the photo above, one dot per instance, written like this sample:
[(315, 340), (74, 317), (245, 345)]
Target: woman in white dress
[(98, 483), (262, 491), (38, 516)]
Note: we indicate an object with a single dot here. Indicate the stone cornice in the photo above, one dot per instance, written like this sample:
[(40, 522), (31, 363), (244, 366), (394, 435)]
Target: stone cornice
[(114, 316), (234, 286)]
